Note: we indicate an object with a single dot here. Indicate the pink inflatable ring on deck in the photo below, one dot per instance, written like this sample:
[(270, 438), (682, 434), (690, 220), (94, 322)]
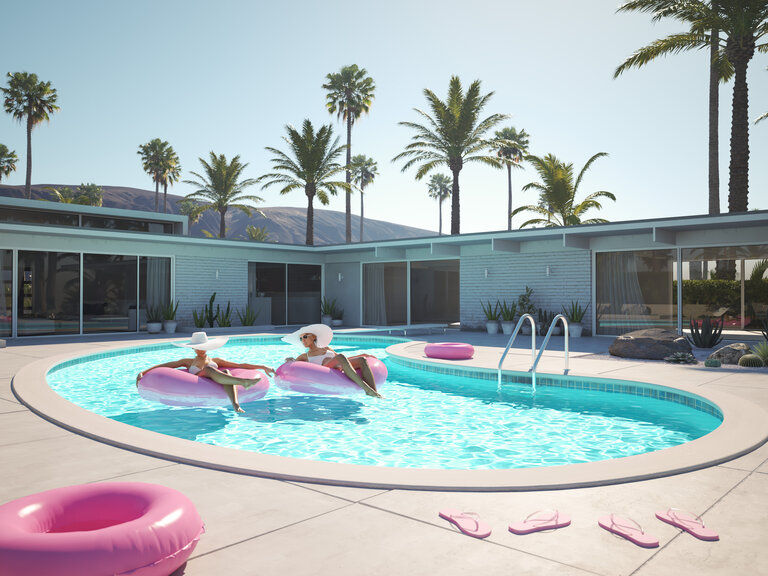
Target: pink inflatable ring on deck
[(177, 387), (314, 379), (449, 350), (121, 528)]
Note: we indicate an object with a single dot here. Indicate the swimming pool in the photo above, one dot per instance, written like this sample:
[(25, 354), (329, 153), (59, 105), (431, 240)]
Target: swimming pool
[(427, 420)]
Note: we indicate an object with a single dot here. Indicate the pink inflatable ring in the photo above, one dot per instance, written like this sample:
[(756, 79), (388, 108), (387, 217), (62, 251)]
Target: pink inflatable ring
[(314, 379), (180, 388), (121, 528), (449, 350)]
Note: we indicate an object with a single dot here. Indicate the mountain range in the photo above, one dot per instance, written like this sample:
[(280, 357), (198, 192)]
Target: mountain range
[(284, 225)]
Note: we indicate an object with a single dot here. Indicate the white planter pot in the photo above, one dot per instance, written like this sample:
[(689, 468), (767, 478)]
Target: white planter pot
[(492, 326), (336, 322), (525, 329), (170, 326), (574, 330), (507, 326), (326, 319), (154, 327)]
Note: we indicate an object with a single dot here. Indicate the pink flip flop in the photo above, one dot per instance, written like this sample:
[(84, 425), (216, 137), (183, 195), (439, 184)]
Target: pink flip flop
[(541, 520), (467, 522), (688, 522), (629, 529)]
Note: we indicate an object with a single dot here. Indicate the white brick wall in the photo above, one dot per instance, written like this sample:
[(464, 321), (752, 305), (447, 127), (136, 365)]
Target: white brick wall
[(509, 274), (196, 281)]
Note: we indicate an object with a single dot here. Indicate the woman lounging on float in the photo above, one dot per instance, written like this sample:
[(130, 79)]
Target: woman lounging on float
[(216, 369), (316, 338)]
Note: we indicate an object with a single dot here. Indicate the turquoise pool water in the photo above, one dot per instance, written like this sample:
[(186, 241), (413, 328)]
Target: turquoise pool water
[(426, 420)]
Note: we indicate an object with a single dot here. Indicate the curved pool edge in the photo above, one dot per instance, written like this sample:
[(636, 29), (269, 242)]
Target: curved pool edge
[(744, 428)]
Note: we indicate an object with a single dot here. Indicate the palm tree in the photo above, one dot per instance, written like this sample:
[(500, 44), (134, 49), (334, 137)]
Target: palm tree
[(364, 170), (350, 93), (221, 188), (311, 167), (258, 234), (440, 188), (511, 147), (8, 161), (192, 210), (27, 98), (720, 69), (170, 173), (557, 193), (452, 136), (743, 22), (86, 194), (153, 159)]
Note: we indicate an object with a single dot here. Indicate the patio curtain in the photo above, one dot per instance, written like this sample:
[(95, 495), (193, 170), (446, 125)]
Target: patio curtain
[(158, 281), (5, 281), (374, 295), (620, 300)]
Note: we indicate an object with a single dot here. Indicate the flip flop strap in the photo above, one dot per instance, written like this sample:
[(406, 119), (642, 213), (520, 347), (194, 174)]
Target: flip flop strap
[(555, 515), (469, 516), (636, 525), (696, 520)]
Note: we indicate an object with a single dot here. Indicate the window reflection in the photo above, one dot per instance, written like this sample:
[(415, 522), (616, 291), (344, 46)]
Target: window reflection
[(48, 297), (6, 292), (109, 289)]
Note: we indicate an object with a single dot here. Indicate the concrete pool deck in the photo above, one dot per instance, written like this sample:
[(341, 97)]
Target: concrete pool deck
[(268, 526)]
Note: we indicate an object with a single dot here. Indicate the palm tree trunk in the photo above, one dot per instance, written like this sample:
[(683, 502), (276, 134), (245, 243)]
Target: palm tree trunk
[(223, 223), (714, 109), (165, 197), (740, 51), (455, 165), (362, 187), (440, 217), (310, 240), (157, 195), (28, 184), (509, 205), (349, 178)]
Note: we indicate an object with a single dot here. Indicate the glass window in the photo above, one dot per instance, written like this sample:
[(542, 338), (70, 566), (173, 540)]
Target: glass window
[(635, 290), (266, 292), (304, 289), (435, 292), (154, 288), (109, 290), (385, 301), (48, 297), (6, 292), (22, 216), (125, 224), (729, 283)]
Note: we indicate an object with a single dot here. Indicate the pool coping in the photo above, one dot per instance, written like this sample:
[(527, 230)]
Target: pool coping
[(744, 428)]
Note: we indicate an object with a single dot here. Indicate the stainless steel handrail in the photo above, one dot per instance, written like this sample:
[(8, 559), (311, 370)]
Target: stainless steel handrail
[(514, 335), (544, 346)]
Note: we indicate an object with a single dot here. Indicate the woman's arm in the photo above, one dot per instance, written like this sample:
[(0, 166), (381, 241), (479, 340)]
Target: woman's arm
[(183, 363)]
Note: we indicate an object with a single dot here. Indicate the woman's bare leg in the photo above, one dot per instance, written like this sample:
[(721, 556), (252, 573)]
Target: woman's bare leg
[(350, 373), (361, 363), (229, 383)]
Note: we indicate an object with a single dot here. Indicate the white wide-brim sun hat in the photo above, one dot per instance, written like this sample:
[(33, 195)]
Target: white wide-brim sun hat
[(200, 341), (323, 333)]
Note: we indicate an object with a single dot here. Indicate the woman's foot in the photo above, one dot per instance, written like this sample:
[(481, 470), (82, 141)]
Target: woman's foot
[(238, 409), (250, 382)]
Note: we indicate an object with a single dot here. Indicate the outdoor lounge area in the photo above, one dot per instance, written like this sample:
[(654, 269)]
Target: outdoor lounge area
[(255, 520)]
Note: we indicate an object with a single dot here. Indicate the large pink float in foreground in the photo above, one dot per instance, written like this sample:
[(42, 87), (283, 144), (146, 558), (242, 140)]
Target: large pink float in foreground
[(121, 528)]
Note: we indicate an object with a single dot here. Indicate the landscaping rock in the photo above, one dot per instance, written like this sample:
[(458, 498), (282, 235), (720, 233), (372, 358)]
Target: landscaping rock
[(730, 354), (649, 344)]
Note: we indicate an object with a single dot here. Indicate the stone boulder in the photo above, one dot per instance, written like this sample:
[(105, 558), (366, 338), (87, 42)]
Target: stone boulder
[(649, 344), (730, 354)]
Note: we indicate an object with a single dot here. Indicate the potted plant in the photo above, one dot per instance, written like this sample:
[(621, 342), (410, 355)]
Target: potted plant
[(575, 314), (492, 314), (154, 319), (525, 306), (326, 311), (337, 316), (169, 317), (545, 320), (508, 314)]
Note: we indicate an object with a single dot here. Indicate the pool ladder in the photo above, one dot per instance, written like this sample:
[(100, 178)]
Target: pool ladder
[(534, 357)]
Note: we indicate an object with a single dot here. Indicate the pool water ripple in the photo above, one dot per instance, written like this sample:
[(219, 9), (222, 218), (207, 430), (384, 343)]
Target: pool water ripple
[(426, 420)]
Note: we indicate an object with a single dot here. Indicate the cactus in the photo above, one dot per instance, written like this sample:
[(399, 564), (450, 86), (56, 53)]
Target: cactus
[(708, 336), (712, 363), (751, 361), (681, 358)]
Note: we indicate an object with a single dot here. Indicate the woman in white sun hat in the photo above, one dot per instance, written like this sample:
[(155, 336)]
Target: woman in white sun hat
[(316, 338), (216, 369)]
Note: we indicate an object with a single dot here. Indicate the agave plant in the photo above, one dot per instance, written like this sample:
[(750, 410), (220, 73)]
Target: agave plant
[(681, 358), (707, 335)]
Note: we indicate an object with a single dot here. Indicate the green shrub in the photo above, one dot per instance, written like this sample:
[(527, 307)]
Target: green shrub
[(751, 361), (681, 358), (712, 363), (154, 314), (574, 312), (169, 310), (708, 335), (492, 312), (224, 317), (248, 317), (508, 312), (208, 314), (198, 319)]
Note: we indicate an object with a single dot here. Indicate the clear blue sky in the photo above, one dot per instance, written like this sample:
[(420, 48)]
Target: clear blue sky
[(228, 76)]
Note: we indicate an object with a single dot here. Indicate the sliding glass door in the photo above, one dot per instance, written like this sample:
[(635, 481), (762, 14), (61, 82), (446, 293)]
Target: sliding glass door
[(48, 293), (284, 294)]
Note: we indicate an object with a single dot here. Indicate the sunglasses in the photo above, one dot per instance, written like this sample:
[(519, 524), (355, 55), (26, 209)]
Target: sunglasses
[(305, 336)]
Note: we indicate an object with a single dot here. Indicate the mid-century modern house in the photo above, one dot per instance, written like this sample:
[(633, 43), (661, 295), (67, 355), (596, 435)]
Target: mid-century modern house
[(69, 269)]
